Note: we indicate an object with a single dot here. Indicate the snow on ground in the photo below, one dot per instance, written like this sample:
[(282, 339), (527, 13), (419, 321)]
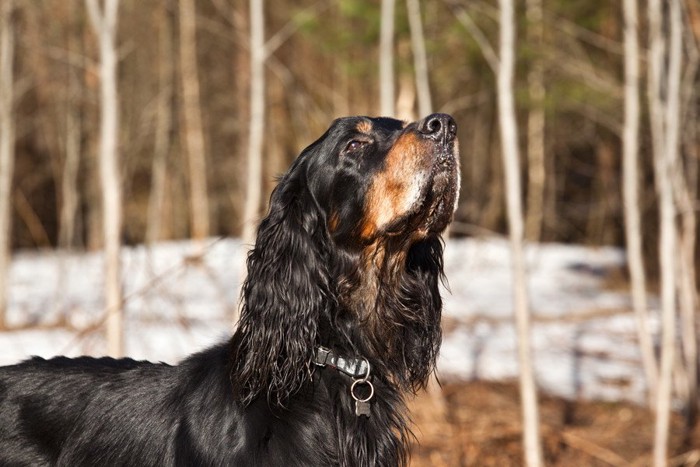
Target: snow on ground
[(583, 334)]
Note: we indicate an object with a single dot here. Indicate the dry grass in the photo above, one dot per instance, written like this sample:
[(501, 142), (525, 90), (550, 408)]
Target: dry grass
[(478, 424)]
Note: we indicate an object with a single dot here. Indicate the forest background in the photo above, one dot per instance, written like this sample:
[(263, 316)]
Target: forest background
[(324, 64), (178, 116)]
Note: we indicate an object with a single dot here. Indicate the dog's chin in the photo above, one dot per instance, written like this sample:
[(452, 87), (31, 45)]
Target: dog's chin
[(438, 202)]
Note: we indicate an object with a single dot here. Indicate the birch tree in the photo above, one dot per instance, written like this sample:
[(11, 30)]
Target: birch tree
[(7, 140), (630, 192), (664, 104), (192, 119), (257, 120), (387, 91), (503, 65), (511, 164), (103, 17), (420, 59)]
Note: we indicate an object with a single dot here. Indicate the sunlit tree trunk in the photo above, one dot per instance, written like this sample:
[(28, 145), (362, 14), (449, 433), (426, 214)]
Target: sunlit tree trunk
[(192, 118), (630, 186), (7, 142), (503, 65), (511, 163), (257, 121), (664, 93), (104, 22), (387, 93), (420, 59)]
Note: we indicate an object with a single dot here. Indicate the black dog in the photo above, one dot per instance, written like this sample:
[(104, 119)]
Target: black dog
[(341, 319)]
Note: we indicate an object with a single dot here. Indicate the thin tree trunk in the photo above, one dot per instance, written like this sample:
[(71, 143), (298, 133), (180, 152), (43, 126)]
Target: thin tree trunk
[(257, 121), (191, 113), (665, 126), (387, 93), (104, 21), (7, 140), (420, 60), (163, 128), (73, 144), (687, 184), (535, 125), (69, 179), (511, 163), (630, 185)]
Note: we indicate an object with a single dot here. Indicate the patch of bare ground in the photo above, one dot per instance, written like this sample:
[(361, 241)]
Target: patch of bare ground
[(478, 424)]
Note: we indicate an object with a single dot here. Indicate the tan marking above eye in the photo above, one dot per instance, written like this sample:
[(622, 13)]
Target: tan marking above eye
[(364, 126)]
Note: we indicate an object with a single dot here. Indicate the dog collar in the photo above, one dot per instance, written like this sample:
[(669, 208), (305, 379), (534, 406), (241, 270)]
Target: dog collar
[(357, 368)]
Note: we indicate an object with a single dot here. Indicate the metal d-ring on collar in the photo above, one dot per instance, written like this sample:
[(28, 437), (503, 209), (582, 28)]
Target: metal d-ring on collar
[(362, 405), (357, 368)]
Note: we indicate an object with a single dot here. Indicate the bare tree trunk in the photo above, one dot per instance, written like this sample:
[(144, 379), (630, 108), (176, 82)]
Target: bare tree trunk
[(104, 22), (420, 60), (535, 125), (7, 142), (687, 190), (387, 93), (71, 163), (630, 185), (257, 121), (163, 128), (687, 184), (192, 117), (665, 132), (511, 163)]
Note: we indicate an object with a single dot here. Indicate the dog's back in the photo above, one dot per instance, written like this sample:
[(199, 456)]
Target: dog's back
[(89, 411)]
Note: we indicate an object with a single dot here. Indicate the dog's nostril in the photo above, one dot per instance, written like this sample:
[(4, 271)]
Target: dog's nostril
[(434, 125), (439, 126)]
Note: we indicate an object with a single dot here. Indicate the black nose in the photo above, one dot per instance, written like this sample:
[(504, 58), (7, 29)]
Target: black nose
[(439, 127)]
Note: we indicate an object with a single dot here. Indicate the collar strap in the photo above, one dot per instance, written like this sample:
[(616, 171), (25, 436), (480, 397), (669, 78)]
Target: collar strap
[(354, 367)]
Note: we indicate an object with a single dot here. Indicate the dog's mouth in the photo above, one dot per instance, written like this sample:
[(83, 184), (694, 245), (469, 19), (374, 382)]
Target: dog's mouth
[(433, 209), (439, 199)]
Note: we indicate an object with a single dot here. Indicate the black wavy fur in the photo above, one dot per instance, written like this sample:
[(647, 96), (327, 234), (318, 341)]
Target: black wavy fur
[(314, 278)]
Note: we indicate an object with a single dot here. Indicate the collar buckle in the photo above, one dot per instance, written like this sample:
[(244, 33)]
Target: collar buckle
[(354, 367), (321, 357)]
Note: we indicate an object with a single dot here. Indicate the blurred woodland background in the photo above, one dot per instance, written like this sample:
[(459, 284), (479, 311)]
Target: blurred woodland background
[(322, 63), (178, 116)]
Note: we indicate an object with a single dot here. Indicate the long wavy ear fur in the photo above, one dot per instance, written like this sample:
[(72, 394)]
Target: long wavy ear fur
[(284, 294), (426, 268)]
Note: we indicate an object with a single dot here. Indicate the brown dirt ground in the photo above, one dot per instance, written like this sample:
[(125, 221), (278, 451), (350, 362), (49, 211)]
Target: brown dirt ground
[(478, 424)]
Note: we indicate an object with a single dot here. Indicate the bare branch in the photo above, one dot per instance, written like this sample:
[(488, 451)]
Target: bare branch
[(425, 105), (479, 37), (288, 30)]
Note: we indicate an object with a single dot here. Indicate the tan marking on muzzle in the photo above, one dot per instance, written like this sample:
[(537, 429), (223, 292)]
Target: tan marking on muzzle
[(398, 186)]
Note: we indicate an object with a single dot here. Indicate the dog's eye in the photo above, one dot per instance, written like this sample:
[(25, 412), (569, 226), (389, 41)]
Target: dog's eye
[(355, 145)]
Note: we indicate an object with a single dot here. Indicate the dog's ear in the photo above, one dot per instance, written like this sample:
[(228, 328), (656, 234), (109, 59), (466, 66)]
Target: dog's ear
[(284, 294), (421, 286)]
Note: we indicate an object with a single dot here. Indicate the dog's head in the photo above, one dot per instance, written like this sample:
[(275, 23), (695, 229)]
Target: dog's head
[(349, 254), (378, 177)]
